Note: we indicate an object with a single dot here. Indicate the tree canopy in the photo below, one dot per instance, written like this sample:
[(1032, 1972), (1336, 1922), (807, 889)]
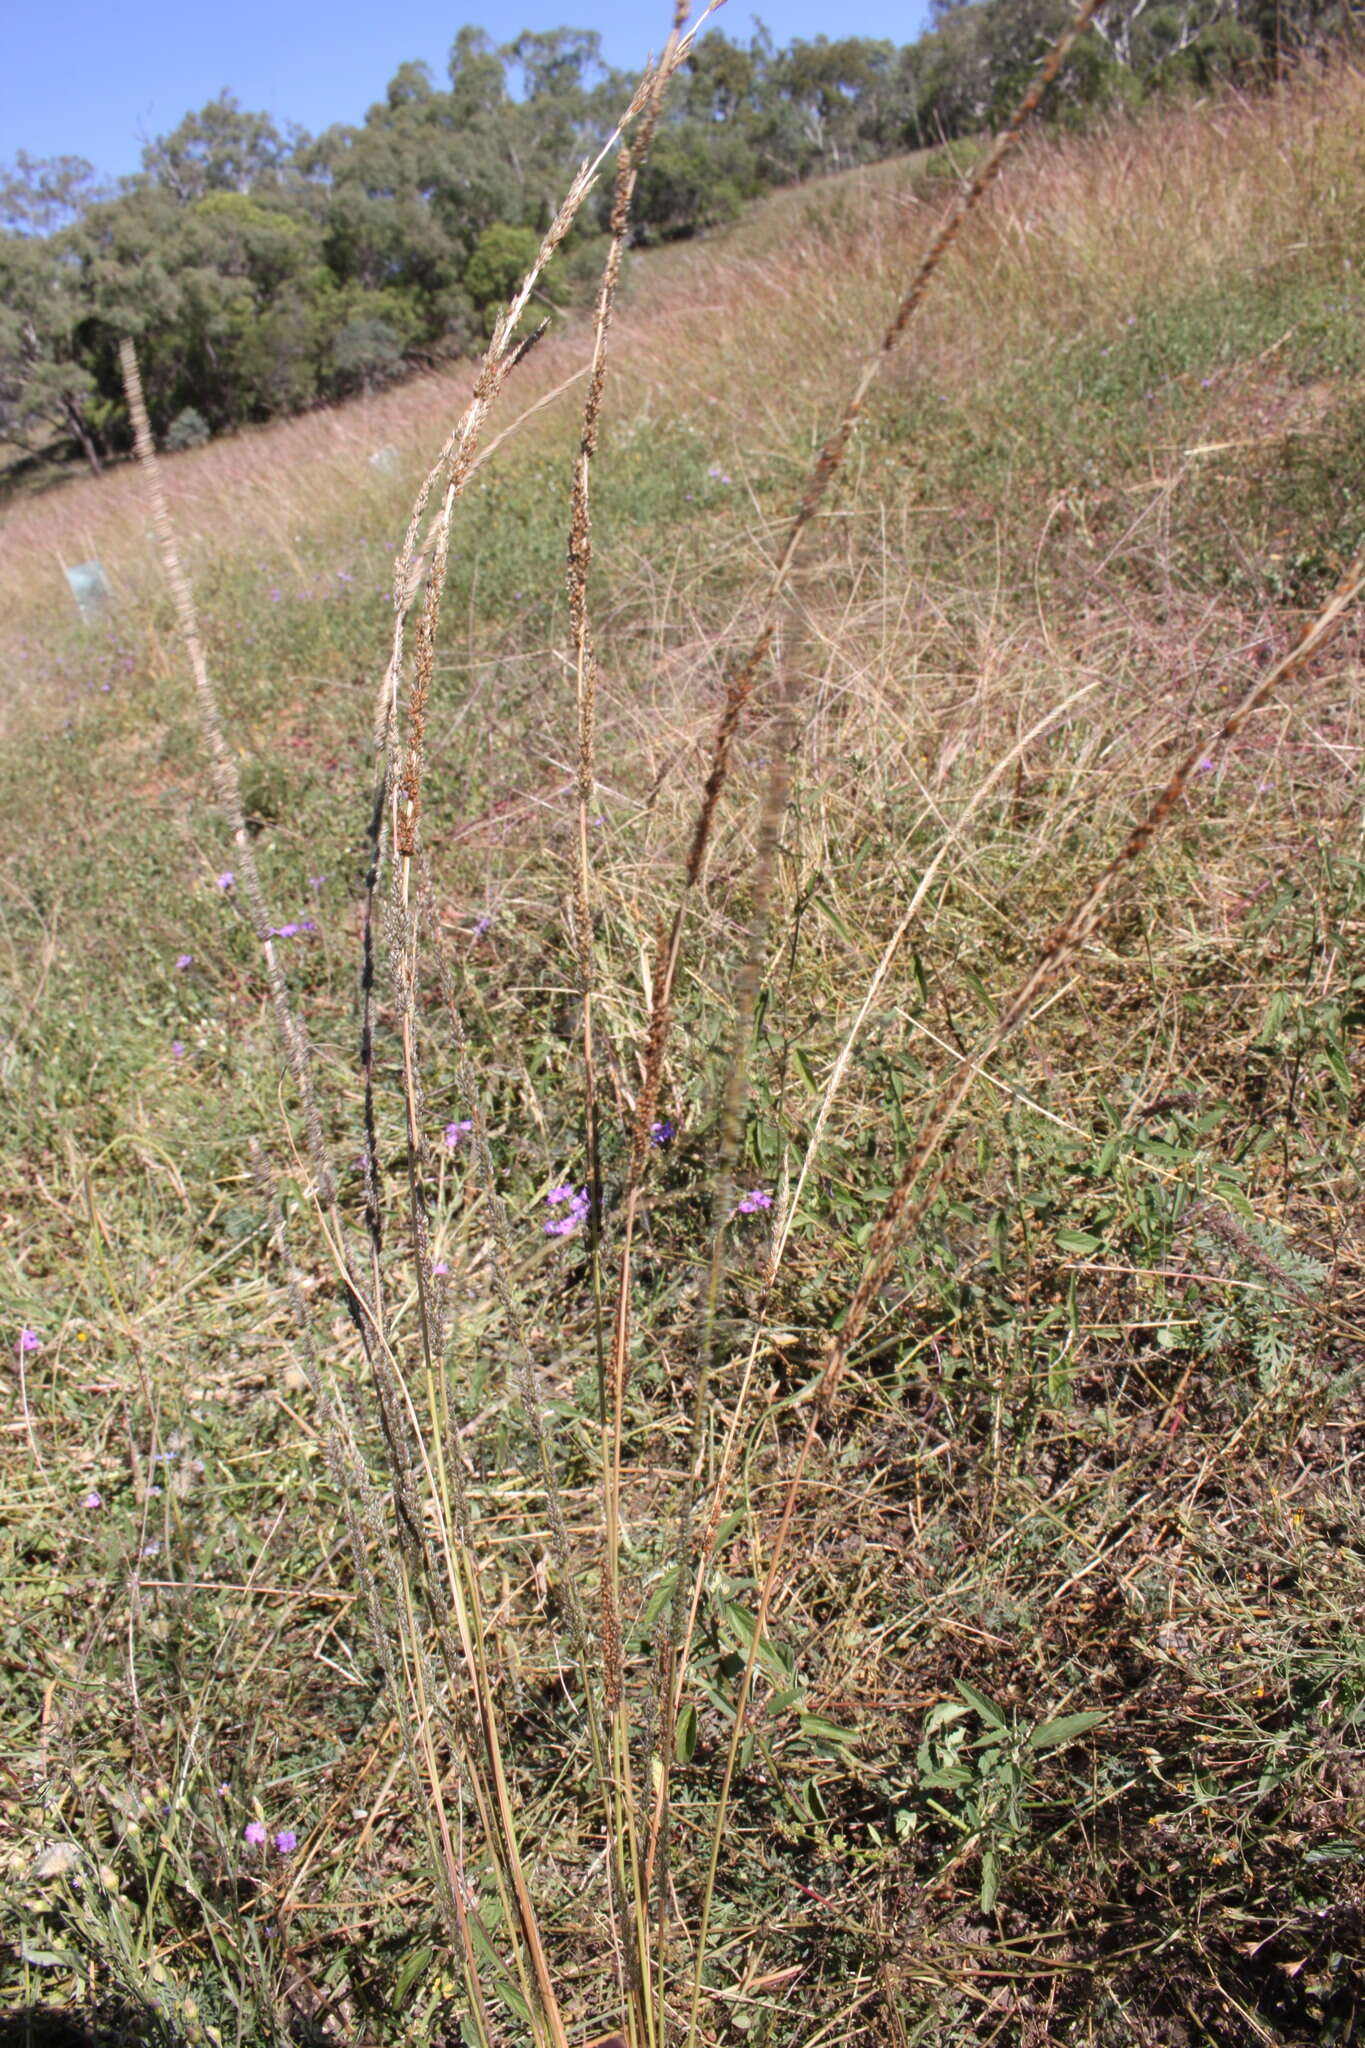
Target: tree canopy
[(263, 270)]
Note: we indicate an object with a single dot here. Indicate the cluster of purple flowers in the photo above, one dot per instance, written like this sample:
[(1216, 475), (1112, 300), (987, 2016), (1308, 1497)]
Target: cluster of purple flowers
[(750, 1204), (717, 474), (29, 1340), (292, 931), (456, 1133), (575, 1202), (255, 1833), (663, 1131)]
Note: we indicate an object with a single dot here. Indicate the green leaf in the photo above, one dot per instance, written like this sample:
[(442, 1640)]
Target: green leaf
[(774, 1658), (685, 1738), (658, 1600), (1078, 1241), (828, 911), (801, 1061), (1066, 1728), (825, 1731), (978, 988), (416, 1966), (943, 1715), (45, 1958), (987, 1709), (990, 1880)]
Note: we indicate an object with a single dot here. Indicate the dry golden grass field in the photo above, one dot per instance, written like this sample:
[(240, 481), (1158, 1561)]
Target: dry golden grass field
[(684, 1335)]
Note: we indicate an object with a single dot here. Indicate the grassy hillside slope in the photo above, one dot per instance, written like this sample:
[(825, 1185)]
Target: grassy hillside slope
[(1096, 1453)]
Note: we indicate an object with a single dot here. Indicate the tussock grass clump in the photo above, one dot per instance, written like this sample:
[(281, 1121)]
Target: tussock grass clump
[(750, 1435)]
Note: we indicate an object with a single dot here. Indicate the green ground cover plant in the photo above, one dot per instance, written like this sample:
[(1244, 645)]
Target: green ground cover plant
[(819, 1509)]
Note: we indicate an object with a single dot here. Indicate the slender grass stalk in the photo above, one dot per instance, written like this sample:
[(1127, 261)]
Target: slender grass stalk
[(397, 811), (630, 1879), (728, 1140), (226, 781)]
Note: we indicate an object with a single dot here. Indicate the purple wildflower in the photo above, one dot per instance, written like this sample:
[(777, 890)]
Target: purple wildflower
[(481, 925), (29, 1340), (286, 1841), (663, 1131), (315, 882), (93, 1499), (177, 1049), (184, 960), (440, 1269), (576, 1202), (756, 1199), (254, 1832), (455, 1132), (226, 879), (274, 596)]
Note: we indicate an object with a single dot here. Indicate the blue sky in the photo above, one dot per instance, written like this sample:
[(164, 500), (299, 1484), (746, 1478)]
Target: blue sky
[(98, 81)]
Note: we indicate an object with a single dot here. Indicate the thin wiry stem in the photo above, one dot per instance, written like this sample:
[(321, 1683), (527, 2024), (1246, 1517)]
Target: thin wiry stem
[(729, 1138), (226, 781), (630, 1882)]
